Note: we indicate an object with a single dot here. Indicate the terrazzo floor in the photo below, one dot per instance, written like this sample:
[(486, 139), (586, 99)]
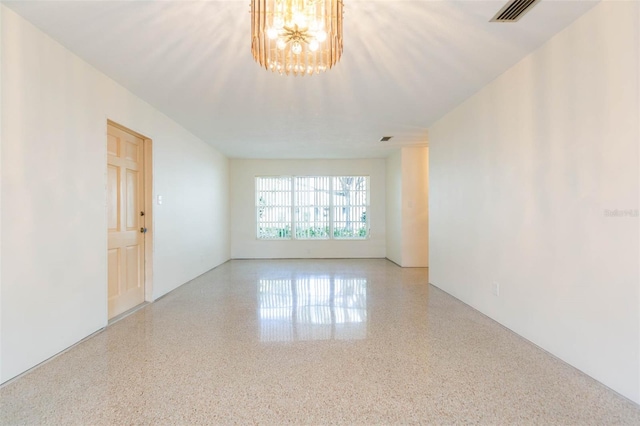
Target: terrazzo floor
[(309, 342)]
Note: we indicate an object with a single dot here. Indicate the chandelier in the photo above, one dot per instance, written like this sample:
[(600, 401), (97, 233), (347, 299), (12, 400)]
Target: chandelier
[(296, 36)]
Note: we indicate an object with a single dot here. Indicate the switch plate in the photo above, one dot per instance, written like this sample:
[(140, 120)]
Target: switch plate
[(495, 288), (159, 199)]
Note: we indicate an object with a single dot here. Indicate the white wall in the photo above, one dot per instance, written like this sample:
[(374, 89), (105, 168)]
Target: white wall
[(244, 243), (408, 207), (54, 113), (1, 102), (415, 207), (521, 176), (394, 207)]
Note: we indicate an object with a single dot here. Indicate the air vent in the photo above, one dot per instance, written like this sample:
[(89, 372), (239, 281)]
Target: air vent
[(514, 10), (385, 138)]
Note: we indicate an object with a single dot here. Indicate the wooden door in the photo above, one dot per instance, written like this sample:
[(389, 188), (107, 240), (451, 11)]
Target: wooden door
[(125, 220)]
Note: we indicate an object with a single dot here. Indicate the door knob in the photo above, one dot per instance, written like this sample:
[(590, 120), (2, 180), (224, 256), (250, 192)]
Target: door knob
[(143, 230)]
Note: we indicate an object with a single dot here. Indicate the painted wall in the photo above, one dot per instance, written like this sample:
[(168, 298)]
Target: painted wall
[(524, 178), (408, 207), (1, 61), (244, 243), (415, 207), (54, 113), (394, 207)]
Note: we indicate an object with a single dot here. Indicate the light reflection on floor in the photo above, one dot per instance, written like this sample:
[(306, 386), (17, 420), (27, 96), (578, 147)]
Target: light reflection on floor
[(312, 308)]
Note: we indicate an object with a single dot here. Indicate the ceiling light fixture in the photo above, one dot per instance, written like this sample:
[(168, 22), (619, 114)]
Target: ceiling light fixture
[(296, 36)]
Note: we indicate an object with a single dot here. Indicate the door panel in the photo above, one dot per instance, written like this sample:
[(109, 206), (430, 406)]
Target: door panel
[(132, 152), (125, 195), (112, 145), (113, 197), (113, 266), (133, 269), (132, 205)]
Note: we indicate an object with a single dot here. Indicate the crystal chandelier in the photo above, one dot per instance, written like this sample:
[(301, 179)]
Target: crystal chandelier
[(296, 36)]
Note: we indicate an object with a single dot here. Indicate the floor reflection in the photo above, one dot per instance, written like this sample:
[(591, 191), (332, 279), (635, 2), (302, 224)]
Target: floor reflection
[(312, 308)]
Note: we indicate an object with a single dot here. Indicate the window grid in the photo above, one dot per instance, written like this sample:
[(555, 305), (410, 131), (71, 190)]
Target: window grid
[(350, 201), (312, 207), (273, 207)]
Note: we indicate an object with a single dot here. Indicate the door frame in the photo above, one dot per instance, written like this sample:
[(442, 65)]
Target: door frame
[(148, 207)]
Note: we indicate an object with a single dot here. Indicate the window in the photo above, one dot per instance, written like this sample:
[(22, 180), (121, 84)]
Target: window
[(312, 207), (273, 206), (350, 200)]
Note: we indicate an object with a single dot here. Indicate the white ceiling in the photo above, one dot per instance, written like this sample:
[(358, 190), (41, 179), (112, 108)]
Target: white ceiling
[(405, 64)]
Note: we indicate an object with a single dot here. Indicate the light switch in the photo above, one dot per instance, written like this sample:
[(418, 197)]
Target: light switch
[(159, 199)]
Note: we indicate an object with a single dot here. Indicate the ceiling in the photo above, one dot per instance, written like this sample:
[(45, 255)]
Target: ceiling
[(405, 64)]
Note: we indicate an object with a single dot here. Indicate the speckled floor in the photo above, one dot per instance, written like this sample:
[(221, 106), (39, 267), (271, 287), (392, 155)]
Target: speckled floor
[(309, 342)]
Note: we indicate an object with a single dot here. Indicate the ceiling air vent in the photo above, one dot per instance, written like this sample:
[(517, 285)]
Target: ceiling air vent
[(514, 10), (385, 138)]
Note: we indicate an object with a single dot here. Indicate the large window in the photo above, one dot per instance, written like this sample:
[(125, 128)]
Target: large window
[(312, 207)]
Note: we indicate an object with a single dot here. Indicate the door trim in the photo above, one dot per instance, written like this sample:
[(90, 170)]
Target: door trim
[(148, 209)]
